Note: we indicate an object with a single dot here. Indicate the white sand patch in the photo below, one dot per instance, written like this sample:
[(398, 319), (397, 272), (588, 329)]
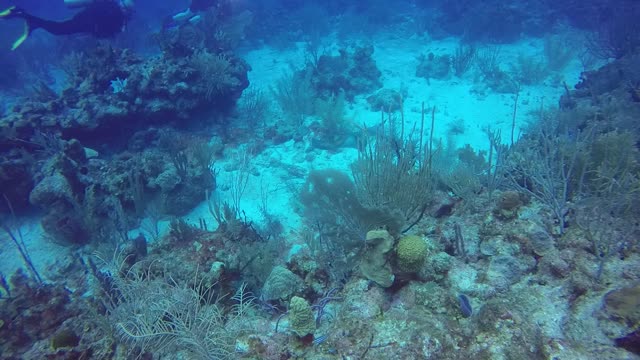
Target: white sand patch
[(268, 65), (275, 177), (454, 98), (44, 253)]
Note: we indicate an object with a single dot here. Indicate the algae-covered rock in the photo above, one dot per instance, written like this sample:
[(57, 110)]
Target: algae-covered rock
[(50, 189), (386, 100), (433, 66), (506, 270), (374, 264), (436, 266), (507, 205), (65, 339), (542, 243), (624, 304)]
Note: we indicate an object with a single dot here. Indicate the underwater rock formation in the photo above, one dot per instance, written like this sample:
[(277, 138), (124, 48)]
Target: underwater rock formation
[(374, 263), (49, 306), (114, 92), (433, 66), (351, 72)]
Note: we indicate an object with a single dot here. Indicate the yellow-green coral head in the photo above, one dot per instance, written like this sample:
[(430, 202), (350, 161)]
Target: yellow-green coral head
[(301, 317), (411, 253)]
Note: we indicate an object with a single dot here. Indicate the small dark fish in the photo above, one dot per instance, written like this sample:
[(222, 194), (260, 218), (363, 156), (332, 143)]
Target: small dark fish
[(465, 305), (630, 342)]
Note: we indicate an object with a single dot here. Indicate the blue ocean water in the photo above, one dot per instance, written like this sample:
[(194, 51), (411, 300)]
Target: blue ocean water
[(236, 179)]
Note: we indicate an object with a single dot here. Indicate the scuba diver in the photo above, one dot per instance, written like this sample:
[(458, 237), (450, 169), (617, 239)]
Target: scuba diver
[(100, 18)]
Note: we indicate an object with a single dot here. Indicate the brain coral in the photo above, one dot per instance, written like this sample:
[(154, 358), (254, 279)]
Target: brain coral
[(280, 284), (411, 253), (301, 317)]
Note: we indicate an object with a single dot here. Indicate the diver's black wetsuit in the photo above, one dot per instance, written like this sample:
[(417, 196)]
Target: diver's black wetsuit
[(101, 19)]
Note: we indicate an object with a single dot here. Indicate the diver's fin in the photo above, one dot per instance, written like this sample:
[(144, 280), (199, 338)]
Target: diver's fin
[(15, 12), (22, 37), (195, 19), (10, 12)]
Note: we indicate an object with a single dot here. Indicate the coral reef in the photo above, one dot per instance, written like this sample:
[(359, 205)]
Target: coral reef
[(113, 90), (51, 315), (112, 94), (389, 242)]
